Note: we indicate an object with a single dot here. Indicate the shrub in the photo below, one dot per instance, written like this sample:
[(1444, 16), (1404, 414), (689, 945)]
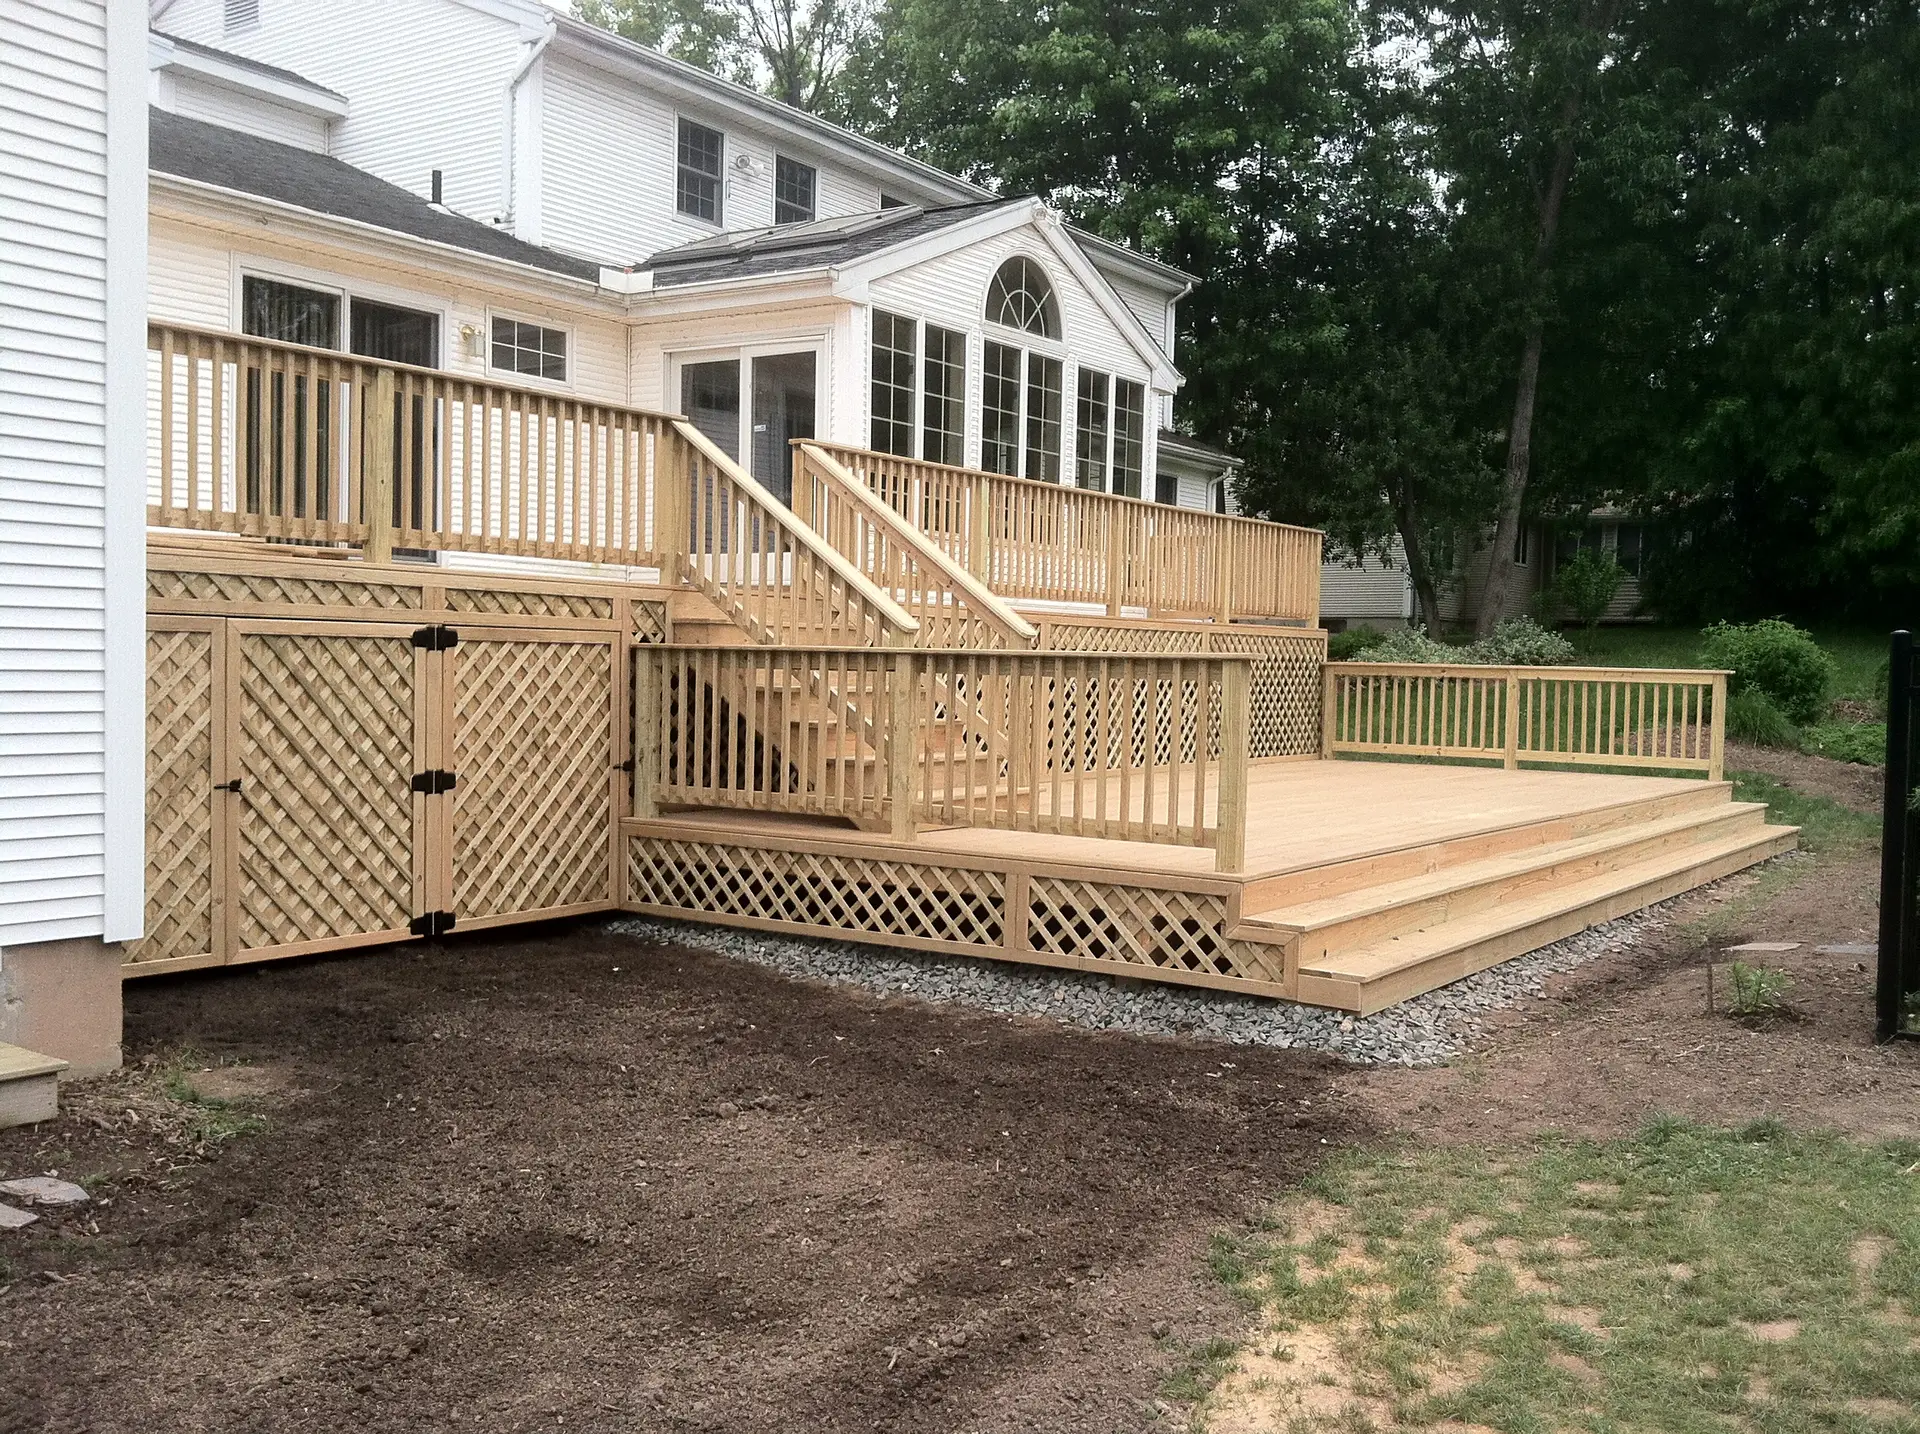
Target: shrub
[(1348, 645), (1413, 645), (1522, 642), (1775, 658), (1759, 990), (1587, 586), (1863, 742), (1752, 717)]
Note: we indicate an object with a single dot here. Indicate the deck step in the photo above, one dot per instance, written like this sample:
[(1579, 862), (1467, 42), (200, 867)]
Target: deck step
[(1370, 977), (1357, 918), (29, 1086)]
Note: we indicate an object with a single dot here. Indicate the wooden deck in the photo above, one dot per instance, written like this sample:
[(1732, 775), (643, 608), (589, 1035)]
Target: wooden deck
[(1364, 883)]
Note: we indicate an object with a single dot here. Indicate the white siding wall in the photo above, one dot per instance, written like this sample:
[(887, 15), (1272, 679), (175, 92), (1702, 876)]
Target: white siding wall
[(655, 345), (216, 104), (1377, 592), (196, 274), (72, 242), (426, 82), (608, 157), (951, 291)]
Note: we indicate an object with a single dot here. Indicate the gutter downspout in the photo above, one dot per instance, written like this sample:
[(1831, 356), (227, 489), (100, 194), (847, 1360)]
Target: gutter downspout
[(534, 52)]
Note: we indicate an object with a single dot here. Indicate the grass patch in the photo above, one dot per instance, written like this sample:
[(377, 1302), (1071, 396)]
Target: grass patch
[(1864, 742), (1825, 825), (210, 1121), (1688, 1280)]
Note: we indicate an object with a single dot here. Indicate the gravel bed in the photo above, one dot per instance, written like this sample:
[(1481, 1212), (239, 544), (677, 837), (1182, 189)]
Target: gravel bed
[(1426, 1030)]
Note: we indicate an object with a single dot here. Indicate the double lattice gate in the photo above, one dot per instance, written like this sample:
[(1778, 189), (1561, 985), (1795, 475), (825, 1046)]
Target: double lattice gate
[(323, 784)]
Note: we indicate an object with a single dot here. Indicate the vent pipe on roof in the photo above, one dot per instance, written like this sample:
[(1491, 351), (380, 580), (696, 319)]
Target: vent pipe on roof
[(439, 190)]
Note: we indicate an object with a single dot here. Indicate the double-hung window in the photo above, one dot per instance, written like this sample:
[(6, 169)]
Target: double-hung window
[(793, 191), (893, 354), (697, 183)]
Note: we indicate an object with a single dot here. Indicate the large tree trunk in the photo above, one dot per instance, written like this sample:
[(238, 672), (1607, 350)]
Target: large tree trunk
[(1501, 569), (1426, 592)]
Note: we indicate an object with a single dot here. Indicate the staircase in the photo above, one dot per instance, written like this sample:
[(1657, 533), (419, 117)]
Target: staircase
[(1367, 933)]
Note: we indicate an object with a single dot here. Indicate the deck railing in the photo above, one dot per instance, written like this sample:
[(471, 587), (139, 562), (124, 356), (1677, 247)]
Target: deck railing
[(1668, 719), (309, 445), (1040, 542), (953, 608), (1147, 747)]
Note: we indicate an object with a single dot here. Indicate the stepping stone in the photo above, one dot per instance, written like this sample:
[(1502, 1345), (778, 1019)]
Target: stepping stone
[(44, 1190), (12, 1219), (1763, 948), (1845, 949)]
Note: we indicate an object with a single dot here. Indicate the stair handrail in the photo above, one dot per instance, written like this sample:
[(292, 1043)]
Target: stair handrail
[(987, 605), (770, 509)]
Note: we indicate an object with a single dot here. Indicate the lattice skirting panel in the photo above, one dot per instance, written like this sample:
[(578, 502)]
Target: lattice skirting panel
[(839, 892)]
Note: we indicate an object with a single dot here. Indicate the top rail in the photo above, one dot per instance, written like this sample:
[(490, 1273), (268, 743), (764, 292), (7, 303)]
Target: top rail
[(1672, 719), (1038, 541), (954, 608)]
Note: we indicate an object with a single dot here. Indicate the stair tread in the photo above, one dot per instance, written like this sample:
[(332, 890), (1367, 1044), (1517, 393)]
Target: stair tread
[(1369, 900), (1384, 958)]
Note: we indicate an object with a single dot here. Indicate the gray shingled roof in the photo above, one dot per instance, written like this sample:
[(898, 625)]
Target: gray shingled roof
[(1173, 437), (793, 248), (228, 159), (193, 47)]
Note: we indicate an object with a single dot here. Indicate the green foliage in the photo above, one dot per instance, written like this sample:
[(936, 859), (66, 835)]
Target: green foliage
[(1413, 645), (1863, 742), (1587, 586), (793, 50), (1774, 657), (1825, 825), (1522, 642), (1353, 643), (1752, 717), (1758, 990)]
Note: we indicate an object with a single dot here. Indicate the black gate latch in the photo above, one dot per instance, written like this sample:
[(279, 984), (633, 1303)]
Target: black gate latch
[(437, 638), (434, 782), (431, 923)]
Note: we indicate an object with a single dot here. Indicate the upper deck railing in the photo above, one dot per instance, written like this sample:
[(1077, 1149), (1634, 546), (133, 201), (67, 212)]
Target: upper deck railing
[(1040, 542)]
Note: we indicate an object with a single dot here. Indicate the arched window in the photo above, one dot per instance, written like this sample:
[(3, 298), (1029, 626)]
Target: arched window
[(1021, 298)]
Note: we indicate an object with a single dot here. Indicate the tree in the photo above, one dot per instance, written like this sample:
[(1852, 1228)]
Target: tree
[(1586, 587), (792, 49)]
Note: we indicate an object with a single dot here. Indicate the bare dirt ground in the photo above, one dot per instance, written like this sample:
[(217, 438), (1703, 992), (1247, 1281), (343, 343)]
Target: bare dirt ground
[(560, 1180), (503, 1185)]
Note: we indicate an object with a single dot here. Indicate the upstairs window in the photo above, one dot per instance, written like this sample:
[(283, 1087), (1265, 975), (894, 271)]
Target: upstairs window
[(1021, 298), (1129, 437), (697, 185), (1090, 433), (1000, 410), (943, 434), (1043, 419), (530, 349), (892, 384), (793, 190)]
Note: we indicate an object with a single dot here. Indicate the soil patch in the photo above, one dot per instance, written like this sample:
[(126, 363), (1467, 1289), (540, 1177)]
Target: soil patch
[(562, 1180), (1852, 784)]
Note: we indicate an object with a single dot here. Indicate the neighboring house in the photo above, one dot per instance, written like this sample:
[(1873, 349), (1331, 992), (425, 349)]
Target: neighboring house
[(1379, 593), (546, 200), (73, 248)]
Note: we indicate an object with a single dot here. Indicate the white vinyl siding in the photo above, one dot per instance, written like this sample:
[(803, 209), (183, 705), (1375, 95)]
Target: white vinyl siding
[(1376, 591), (219, 105), (1149, 305), (64, 608), (425, 81)]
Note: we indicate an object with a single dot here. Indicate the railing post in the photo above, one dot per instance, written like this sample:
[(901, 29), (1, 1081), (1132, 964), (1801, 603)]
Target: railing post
[(1512, 761), (803, 508), (376, 415), (648, 739), (902, 743), (1329, 706), (1117, 522), (1236, 697), (674, 465), (980, 531), (1717, 750), (1223, 580)]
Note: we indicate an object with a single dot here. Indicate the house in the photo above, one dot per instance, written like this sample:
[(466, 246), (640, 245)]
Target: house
[(553, 202)]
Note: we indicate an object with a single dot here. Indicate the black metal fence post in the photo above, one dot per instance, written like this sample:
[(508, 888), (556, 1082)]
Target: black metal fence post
[(1896, 861)]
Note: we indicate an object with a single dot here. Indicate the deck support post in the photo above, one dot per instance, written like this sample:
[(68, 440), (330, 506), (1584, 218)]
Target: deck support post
[(377, 475), (1236, 698), (1512, 757), (980, 531), (1717, 739), (1329, 710), (901, 744), (648, 739)]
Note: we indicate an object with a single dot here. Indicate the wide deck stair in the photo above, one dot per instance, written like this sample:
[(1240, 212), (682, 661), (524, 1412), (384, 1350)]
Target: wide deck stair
[(1367, 933)]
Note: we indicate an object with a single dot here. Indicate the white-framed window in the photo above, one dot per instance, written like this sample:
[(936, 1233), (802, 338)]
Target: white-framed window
[(1020, 296), (290, 313), (1522, 544), (1000, 409), (1129, 436), (1091, 431), (795, 186), (943, 428), (531, 350), (697, 181), (893, 365), (1043, 419)]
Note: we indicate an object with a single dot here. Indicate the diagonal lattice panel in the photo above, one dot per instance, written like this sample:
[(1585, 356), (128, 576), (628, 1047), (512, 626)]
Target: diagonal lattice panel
[(280, 588), (1284, 687), (1142, 926), (532, 748), (179, 797), (324, 747), (840, 892)]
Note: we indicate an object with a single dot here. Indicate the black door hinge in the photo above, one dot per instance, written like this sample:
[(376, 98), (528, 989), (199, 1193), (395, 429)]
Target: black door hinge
[(432, 923), (626, 766), (437, 638), (233, 786), (434, 782)]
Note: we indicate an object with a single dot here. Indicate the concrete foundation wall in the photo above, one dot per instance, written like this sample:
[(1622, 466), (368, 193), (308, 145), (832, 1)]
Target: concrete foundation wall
[(62, 998)]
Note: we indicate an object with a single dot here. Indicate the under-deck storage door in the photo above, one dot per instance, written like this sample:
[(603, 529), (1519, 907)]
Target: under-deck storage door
[(185, 810), (531, 735), (328, 720)]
